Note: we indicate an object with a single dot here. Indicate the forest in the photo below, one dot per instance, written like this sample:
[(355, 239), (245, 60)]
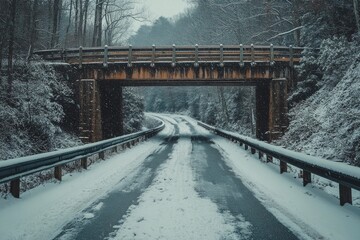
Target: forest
[(324, 107)]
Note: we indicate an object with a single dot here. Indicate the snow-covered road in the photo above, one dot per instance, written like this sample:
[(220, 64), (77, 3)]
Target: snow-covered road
[(185, 183)]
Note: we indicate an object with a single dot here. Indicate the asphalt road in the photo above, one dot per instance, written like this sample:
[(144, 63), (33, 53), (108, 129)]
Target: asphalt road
[(214, 180)]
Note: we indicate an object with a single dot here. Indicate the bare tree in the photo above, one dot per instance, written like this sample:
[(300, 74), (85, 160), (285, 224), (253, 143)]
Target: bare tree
[(97, 35), (57, 6), (117, 14), (86, 11), (33, 26), (11, 48), (4, 20), (357, 15)]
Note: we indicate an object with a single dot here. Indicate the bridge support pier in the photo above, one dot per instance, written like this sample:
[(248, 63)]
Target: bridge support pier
[(271, 109), (101, 115), (90, 126)]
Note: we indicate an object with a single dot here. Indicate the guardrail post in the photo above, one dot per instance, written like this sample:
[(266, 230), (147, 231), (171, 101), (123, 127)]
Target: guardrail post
[(196, 64), (221, 55), (114, 149), (260, 155), (15, 188), (253, 63), (241, 55), (58, 173), (106, 55), (272, 58), (306, 177), (80, 56), (65, 55), (246, 147), (269, 158), (84, 163), (291, 49), (173, 64), (102, 155), (130, 56), (253, 150), (153, 56), (345, 195), (283, 167)]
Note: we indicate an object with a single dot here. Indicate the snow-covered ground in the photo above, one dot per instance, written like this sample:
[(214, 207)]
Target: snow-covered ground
[(41, 213), (171, 208), (308, 211)]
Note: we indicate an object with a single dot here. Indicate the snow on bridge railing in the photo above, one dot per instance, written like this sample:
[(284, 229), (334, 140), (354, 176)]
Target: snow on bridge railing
[(12, 170), (346, 176), (220, 54)]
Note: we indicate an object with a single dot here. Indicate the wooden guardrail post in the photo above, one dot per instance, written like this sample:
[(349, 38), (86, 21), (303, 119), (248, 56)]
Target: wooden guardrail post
[(283, 167), (253, 150), (221, 55), (173, 63), (15, 188), (80, 56), (269, 158), (102, 155), (84, 163), (196, 64), (272, 58), (130, 56), (65, 55), (260, 155), (306, 177), (241, 55), (106, 55), (253, 63), (246, 147), (58, 173), (153, 56), (345, 195)]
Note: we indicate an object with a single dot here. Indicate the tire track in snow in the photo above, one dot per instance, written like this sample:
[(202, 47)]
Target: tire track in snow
[(171, 208), (102, 217)]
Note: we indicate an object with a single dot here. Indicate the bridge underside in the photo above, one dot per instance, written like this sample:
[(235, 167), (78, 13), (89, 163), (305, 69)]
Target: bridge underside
[(101, 92)]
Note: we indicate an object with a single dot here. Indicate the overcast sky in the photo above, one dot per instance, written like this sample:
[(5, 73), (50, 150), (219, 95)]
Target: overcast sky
[(166, 8)]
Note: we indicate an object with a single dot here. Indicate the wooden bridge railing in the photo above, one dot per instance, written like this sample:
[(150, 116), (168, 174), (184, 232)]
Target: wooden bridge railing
[(346, 176), (221, 54)]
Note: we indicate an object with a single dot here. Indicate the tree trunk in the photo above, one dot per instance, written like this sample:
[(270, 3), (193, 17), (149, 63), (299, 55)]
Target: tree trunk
[(81, 20), (357, 14), (33, 26), (55, 33), (76, 19), (11, 49), (98, 24), (297, 21), (86, 8), (223, 104), (3, 29), (69, 24)]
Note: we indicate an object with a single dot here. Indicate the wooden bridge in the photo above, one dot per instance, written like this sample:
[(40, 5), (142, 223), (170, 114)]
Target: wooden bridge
[(104, 71)]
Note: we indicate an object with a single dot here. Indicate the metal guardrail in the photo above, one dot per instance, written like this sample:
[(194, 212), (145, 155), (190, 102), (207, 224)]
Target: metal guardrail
[(346, 176), (12, 170), (220, 54)]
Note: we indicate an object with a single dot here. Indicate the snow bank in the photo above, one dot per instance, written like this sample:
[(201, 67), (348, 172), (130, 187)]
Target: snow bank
[(42, 212), (308, 211)]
